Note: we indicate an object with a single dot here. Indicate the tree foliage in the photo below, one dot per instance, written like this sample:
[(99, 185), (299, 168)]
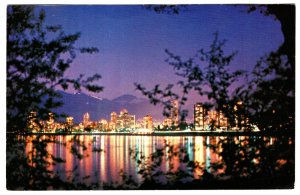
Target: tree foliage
[(169, 9), (268, 95), (207, 73), (38, 56)]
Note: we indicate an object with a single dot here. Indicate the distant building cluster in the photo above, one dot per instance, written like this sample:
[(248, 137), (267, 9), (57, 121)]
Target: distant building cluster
[(204, 120), (122, 122), (49, 125), (117, 122), (207, 119)]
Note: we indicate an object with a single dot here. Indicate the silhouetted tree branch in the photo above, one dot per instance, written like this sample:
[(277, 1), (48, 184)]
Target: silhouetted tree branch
[(270, 94), (207, 73), (37, 59), (169, 9)]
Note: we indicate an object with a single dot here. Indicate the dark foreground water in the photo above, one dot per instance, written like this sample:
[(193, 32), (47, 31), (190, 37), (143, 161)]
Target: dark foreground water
[(101, 158)]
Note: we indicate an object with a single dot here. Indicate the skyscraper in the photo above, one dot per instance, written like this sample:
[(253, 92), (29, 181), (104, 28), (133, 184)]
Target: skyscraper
[(174, 112), (32, 122), (147, 123), (103, 124), (113, 117), (223, 121), (167, 123), (113, 120), (199, 114), (50, 127), (70, 121), (86, 119), (239, 115), (125, 120), (212, 117), (69, 124)]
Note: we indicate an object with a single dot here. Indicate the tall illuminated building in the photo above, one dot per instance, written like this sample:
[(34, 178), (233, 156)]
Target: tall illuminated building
[(167, 122), (174, 112), (223, 121), (131, 122), (113, 121), (32, 124), (120, 122), (70, 121), (199, 117), (139, 123), (212, 117), (86, 119), (111, 126), (50, 127), (125, 120), (239, 115), (113, 117), (148, 124), (103, 125)]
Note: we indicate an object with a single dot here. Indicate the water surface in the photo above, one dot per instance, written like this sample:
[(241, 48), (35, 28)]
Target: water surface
[(104, 156)]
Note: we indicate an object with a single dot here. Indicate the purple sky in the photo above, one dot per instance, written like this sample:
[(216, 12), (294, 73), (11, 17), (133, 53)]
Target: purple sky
[(132, 40)]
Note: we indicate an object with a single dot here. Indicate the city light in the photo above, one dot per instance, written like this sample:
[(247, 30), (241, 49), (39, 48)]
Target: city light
[(204, 121)]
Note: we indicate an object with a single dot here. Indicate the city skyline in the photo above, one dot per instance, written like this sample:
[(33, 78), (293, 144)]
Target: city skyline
[(205, 120)]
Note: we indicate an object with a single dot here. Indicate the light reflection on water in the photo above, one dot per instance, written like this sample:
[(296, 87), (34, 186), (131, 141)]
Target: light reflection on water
[(115, 155)]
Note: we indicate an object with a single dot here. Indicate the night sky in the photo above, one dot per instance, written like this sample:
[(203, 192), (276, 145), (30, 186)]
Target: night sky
[(132, 40)]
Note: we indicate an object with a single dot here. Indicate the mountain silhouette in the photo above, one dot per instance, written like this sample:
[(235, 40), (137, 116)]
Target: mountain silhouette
[(76, 104), (125, 99)]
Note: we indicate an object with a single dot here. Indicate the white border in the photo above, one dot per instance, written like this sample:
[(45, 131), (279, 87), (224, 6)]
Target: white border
[(3, 5)]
